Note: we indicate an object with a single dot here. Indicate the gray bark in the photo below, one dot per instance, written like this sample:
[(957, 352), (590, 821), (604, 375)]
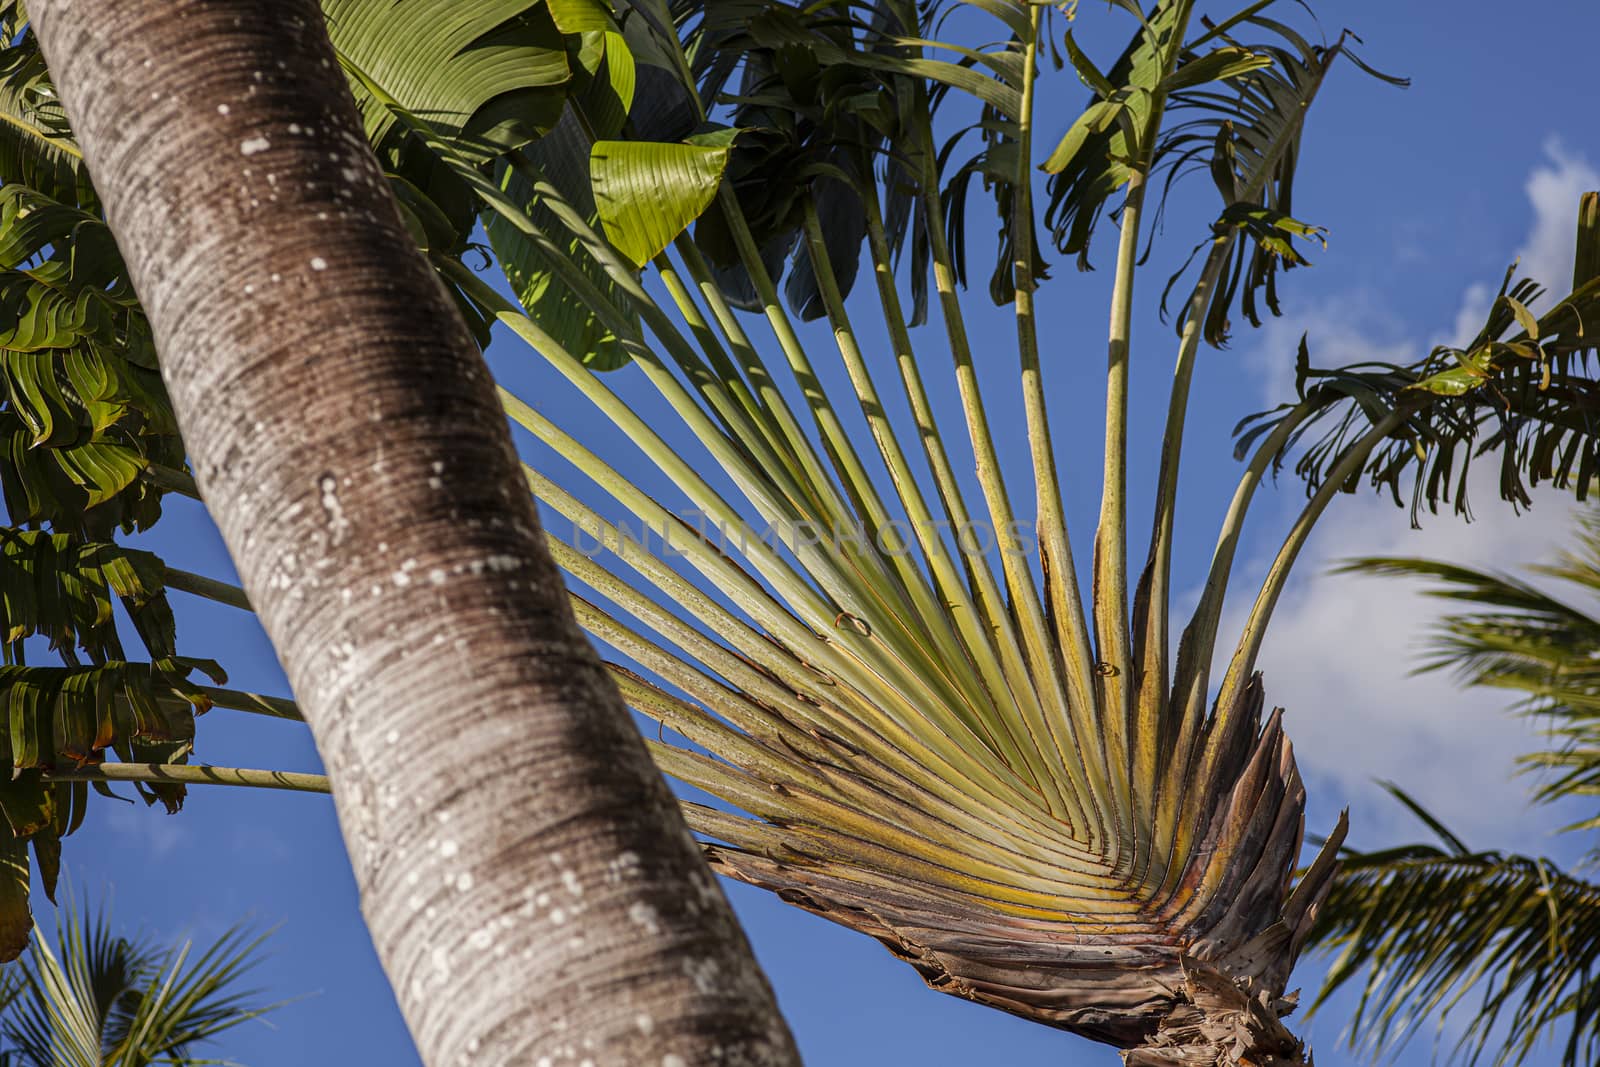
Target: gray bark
[(529, 884)]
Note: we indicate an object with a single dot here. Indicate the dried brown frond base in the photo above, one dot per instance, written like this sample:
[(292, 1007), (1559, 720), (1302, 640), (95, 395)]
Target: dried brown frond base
[(1221, 1022)]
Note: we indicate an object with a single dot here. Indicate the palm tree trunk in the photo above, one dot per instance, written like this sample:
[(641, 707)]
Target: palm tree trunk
[(527, 879)]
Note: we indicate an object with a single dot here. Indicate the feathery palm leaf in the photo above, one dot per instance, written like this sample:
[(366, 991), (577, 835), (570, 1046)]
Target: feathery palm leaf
[(1513, 937), (1523, 639), (1522, 390), (102, 1000), (1247, 132), (1511, 942)]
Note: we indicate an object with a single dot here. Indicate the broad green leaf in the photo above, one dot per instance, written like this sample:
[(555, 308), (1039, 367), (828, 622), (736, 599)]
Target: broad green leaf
[(1096, 119), (16, 920), (1586, 264), (486, 74), (36, 147), (562, 157), (1087, 71), (647, 193), (608, 98), (1217, 65), (581, 16)]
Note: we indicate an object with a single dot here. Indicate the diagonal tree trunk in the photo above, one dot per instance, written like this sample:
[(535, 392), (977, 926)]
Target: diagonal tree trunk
[(529, 884)]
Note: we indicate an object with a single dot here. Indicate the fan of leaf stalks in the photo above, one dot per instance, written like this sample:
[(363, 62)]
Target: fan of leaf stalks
[(1010, 784)]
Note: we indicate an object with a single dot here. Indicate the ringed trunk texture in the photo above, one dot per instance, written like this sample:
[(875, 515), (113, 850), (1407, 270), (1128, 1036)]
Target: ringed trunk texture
[(528, 881)]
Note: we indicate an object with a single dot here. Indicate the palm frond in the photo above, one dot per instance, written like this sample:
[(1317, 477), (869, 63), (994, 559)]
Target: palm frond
[(1522, 390), (99, 999), (1246, 130), (1521, 638), (878, 753), (1509, 942)]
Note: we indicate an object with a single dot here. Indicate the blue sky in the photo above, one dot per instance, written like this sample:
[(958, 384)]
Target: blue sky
[(1427, 193)]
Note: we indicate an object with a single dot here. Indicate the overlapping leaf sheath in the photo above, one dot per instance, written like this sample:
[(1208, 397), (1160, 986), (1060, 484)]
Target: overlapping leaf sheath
[(990, 896)]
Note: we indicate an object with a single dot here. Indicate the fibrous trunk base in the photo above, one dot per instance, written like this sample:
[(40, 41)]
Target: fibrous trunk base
[(1220, 1021)]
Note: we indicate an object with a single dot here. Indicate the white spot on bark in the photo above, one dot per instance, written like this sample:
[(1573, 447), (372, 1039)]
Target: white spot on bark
[(437, 576), (644, 916), (318, 263), (222, 109), (254, 145), (329, 485), (672, 1059), (294, 127), (569, 879), (626, 865), (645, 1023), (703, 973), (448, 849), (464, 882)]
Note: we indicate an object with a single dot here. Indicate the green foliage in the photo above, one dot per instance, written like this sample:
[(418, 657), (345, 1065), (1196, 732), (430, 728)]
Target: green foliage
[(98, 999), (1419, 929), (919, 740), (486, 74), (85, 425), (1522, 390), (647, 194), (1431, 927), (84, 411)]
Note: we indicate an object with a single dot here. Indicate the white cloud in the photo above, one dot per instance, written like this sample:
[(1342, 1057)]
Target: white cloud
[(1338, 657), (1356, 327), (1340, 648), (1553, 190)]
